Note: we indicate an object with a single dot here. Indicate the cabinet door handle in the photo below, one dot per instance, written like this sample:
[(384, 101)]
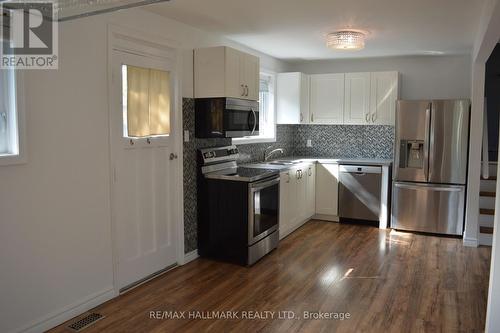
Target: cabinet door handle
[(301, 117), (243, 87), (374, 117), (246, 87), (310, 172), (288, 177), (312, 117), (367, 117)]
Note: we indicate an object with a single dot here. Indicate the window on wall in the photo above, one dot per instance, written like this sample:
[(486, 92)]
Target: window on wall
[(267, 114), (146, 102), (9, 117)]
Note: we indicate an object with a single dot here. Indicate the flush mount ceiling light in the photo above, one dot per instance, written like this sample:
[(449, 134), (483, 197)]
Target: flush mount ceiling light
[(346, 40)]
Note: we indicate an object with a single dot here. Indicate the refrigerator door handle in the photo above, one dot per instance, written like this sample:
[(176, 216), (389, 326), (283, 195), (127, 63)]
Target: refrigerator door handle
[(430, 188), (426, 144)]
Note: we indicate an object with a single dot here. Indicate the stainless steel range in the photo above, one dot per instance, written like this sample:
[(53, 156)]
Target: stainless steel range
[(238, 208)]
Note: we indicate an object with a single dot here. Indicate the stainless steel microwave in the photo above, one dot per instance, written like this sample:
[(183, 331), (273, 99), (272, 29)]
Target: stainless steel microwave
[(226, 118)]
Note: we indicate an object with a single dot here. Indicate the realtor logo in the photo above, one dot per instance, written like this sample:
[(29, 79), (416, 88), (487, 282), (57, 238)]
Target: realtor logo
[(29, 35)]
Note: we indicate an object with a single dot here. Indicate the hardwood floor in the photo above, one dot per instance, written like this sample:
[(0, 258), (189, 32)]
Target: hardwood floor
[(387, 282)]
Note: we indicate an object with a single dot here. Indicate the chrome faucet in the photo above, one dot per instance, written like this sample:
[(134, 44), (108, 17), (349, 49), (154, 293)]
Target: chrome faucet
[(268, 155)]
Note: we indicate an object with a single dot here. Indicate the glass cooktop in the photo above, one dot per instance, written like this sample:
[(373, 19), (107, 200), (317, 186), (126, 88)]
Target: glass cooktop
[(242, 174)]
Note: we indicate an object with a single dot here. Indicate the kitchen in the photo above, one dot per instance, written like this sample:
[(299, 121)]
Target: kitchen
[(277, 178)]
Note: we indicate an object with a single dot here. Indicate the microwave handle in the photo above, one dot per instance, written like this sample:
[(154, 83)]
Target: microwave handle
[(254, 121)]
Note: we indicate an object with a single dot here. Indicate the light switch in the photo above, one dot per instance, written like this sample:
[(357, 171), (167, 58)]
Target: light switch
[(186, 136), (309, 143)]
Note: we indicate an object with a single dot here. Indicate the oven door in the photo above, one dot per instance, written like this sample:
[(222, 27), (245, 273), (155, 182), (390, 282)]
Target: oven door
[(263, 209), (241, 120)]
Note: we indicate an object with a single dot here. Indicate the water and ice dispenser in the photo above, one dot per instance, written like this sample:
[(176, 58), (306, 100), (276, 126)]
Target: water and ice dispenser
[(411, 154)]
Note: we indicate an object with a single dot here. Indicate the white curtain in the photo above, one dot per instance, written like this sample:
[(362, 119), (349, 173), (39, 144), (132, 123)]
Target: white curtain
[(148, 102)]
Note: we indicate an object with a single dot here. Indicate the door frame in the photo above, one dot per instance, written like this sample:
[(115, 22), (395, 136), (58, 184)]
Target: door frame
[(124, 39)]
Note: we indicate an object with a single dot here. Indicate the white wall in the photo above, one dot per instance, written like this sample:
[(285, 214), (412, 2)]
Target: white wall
[(55, 239), (422, 77), (488, 37)]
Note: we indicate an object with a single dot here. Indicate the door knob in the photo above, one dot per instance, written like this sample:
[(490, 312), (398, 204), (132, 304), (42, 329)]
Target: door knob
[(173, 156)]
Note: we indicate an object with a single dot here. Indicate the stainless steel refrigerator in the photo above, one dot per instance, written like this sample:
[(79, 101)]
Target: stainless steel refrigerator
[(430, 166)]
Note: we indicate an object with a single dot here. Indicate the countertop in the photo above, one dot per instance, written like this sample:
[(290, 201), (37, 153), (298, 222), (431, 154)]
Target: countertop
[(309, 160)]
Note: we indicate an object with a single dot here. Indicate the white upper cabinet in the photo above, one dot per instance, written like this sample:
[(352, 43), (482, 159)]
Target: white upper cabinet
[(251, 77), (351, 98), (292, 98), (357, 99), (384, 94), (225, 72), (327, 99)]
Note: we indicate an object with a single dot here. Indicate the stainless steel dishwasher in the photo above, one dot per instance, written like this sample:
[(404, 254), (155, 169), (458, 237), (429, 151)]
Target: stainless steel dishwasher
[(359, 192)]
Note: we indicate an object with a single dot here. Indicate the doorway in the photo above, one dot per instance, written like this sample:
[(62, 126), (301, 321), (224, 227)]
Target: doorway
[(144, 139)]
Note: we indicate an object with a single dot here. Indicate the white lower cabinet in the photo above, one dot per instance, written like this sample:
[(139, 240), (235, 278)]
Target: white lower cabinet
[(297, 197), (310, 190), (327, 188)]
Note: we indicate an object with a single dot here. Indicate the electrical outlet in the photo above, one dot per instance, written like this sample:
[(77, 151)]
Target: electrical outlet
[(309, 143), (186, 136)]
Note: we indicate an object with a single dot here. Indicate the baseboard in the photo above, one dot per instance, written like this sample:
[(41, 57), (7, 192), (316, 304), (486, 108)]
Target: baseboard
[(58, 317), (323, 217), (470, 242), (190, 256), (283, 233), (485, 239)]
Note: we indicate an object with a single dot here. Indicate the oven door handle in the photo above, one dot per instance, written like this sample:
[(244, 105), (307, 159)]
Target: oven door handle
[(257, 186)]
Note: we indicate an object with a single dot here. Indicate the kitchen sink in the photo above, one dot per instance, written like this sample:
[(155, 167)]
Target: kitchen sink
[(284, 162), (276, 164)]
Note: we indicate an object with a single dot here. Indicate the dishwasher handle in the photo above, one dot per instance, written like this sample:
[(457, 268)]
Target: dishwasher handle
[(360, 169)]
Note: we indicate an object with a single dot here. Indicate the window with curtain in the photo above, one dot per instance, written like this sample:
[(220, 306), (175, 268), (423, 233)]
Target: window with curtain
[(267, 118), (146, 102), (9, 131)]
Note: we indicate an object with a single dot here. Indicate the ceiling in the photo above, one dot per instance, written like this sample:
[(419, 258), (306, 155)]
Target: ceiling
[(296, 29)]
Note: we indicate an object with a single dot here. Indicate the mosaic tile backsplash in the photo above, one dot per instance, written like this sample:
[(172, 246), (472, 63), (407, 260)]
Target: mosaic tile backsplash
[(344, 141), (285, 139), (335, 141)]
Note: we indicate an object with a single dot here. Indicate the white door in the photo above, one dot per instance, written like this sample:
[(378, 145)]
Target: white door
[(304, 99), (235, 87), (384, 94), (357, 99), (285, 202), (288, 98), (251, 78), (327, 99), (143, 177), (311, 190), (301, 195), (327, 189)]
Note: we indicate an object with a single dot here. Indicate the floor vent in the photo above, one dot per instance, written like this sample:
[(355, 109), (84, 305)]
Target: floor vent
[(85, 322)]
